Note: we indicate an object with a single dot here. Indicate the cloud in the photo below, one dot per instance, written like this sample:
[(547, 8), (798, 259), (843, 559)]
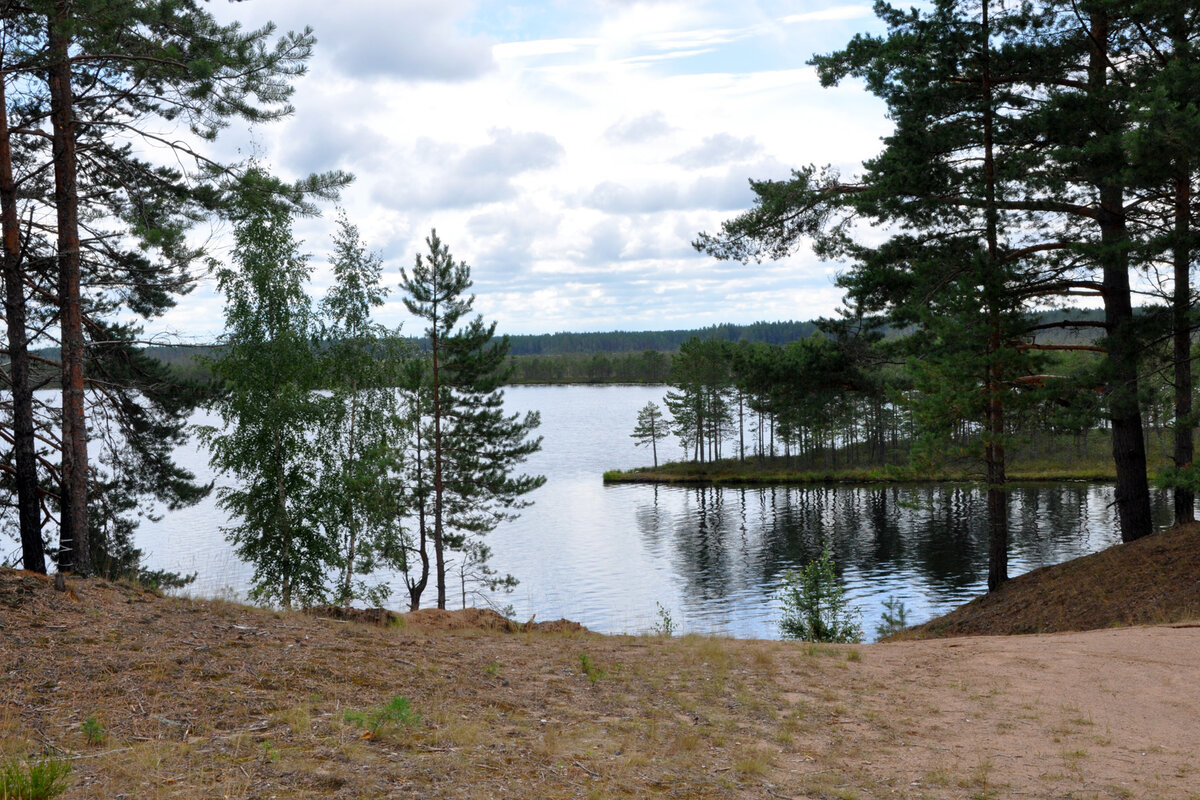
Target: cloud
[(833, 14), (504, 242), (639, 129), (728, 191), (416, 39), (720, 148), (445, 177)]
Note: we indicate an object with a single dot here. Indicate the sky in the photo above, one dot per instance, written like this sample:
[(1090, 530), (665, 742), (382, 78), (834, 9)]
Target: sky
[(568, 151)]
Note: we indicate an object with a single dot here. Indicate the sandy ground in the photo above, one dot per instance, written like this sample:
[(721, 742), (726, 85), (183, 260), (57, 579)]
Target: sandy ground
[(1112, 713), (210, 700)]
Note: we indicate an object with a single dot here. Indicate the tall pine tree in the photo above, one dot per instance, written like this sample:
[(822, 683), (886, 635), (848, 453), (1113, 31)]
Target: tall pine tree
[(472, 446)]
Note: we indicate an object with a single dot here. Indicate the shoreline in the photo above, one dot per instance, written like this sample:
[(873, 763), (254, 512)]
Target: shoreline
[(676, 473)]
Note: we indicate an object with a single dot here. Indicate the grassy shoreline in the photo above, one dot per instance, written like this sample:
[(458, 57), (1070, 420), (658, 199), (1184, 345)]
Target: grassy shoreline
[(734, 473)]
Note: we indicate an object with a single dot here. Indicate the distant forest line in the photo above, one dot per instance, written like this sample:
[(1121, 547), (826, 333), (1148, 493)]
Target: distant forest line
[(556, 358), (616, 356)]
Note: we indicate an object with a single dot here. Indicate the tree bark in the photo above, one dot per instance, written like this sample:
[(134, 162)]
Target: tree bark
[(438, 478), (997, 501), (1185, 501), (33, 556), (1128, 439), (74, 549)]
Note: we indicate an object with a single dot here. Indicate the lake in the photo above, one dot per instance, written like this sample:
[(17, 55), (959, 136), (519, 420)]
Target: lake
[(712, 558)]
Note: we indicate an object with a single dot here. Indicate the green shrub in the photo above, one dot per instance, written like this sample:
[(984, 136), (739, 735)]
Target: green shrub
[(385, 719), (593, 672), (33, 780), (815, 608), (92, 730), (666, 625), (894, 619)]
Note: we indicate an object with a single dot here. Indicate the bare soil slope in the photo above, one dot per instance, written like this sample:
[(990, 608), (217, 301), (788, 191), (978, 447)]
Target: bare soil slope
[(1155, 579), (201, 699)]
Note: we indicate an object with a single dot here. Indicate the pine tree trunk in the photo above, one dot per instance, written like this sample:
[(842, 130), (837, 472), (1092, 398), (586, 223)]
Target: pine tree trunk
[(997, 503), (74, 550), (1185, 501), (33, 556), (1128, 442)]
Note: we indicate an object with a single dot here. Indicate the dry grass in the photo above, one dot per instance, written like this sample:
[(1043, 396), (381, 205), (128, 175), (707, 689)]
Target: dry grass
[(210, 699), (207, 699)]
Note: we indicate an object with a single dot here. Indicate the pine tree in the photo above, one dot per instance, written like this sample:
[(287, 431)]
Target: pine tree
[(113, 75), (1013, 133), (650, 428), (472, 446)]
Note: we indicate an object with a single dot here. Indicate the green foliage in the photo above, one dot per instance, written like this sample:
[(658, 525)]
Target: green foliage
[(1172, 477), (665, 626), (270, 752), (397, 714), (815, 608), (39, 779), (593, 672), (135, 72), (466, 448), (93, 731), (894, 618), (269, 372), (360, 422), (650, 428)]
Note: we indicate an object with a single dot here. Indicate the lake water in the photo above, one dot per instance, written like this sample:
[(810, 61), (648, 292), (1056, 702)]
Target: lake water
[(608, 556)]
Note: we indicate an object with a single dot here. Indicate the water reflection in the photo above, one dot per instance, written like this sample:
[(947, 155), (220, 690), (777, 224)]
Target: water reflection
[(924, 544), (605, 555)]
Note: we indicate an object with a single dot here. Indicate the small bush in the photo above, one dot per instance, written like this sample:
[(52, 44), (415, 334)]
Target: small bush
[(92, 730), (894, 619), (33, 780), (593, 672), (666, 625), (815, 608), (385, 719)]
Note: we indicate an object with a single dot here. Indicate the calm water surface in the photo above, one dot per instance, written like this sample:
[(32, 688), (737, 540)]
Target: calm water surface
[(713, 558)]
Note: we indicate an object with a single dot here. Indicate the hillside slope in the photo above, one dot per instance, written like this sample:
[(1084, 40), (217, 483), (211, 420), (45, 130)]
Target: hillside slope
[(1152, 580)]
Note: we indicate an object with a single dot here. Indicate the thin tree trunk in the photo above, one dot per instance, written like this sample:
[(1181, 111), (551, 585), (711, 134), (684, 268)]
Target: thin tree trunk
[(1185, 501), (417, 588), (285, 531), (33, 556), (997, 503), (438, 479), (352, 522), (74, 550)]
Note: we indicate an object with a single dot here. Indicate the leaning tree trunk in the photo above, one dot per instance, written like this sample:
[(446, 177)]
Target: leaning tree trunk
[(74, 550)]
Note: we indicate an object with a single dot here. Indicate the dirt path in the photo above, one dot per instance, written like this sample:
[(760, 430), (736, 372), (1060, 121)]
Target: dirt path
[(1111, 713)]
